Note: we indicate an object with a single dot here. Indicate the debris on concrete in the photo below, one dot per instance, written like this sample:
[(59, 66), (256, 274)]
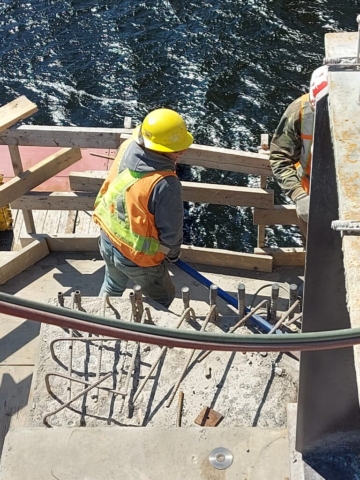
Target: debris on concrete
[(208, 418)]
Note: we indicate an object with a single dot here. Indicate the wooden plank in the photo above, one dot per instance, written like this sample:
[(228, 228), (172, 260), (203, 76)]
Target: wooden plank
[(227, 195), (37, 174), (15, 393), (46, 136), (26, 257), (193, 192), (86, 181), (292, 256), (18, 341), (226, 258), (70, 242), (206, 256), (278, 215), (261, 228), (56, 201), (18, 168), (16, 110), (224, 159)]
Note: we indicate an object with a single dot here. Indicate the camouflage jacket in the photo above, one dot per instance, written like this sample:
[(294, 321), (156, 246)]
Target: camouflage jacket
[(285, 150)]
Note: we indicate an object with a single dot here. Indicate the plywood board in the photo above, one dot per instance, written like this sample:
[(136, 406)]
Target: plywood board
[(36, 175), (16, 110)]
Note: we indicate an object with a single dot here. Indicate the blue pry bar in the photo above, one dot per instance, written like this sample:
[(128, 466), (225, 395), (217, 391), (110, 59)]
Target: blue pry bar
[(258, 321)]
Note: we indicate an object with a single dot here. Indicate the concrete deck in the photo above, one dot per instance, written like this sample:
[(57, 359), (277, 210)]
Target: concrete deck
[(143, 454)]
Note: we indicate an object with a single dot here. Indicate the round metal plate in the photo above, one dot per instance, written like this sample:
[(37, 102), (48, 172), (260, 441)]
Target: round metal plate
[(221, 458)]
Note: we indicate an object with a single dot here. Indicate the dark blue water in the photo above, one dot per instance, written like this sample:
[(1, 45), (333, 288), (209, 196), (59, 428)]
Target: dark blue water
[(230, 67)]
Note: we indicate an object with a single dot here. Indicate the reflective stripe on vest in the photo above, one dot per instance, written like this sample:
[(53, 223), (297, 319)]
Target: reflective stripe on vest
[(303, 166), (122, 212)]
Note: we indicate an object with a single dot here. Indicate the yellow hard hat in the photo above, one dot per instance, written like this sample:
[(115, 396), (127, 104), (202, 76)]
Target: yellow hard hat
[(164, 130)]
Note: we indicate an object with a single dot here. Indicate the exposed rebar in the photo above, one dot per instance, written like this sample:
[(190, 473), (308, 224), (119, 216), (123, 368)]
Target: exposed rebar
[(185, 295), (180, 408), (274, 302), (241, 299)]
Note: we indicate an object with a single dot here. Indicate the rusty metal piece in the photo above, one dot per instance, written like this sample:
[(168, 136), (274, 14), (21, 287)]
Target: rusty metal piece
[(180, 408), (60, 297), (176, 386), (71, 400), (208, 418)]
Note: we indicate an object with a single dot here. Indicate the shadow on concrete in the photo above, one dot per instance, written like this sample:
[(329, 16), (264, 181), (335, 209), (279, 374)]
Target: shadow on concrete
[(18, 338), (14, 397)]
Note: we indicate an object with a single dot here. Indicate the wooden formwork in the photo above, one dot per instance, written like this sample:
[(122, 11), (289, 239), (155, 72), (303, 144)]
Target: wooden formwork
[(85, 185)]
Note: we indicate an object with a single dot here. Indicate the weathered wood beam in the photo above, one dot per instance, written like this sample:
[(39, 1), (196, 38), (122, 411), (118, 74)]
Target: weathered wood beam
[(193, 192), (14, 263), (227, 195), (37, 174), (226, 258), (224, 159), (206, 256), (196, 155), (277, 215), (45, 136), (16, 110), (18, 168), (284, 256), (82, 201)]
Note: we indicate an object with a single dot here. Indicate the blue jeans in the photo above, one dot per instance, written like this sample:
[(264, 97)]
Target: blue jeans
[(154, 281)]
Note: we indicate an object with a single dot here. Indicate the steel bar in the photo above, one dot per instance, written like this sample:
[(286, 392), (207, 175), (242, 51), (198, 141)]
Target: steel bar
[(236, 326), (256, 319), (76, 339), (176, 386), (284, 316), (292, 296), (78, 298), (76, 380), (293, 320), (241, 300), (321, 340), (100, 346), (159, 357), (138, 303), (185, 295), (60, 297), (69, 402), (180, 408), (71, 333), (274, 301)]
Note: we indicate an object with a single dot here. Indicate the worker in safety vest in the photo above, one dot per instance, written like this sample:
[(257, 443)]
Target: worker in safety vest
[(291, 146), (140, 208)]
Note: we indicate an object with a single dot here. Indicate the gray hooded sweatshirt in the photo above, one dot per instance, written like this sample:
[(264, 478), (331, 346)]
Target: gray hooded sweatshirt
[(165, 203)]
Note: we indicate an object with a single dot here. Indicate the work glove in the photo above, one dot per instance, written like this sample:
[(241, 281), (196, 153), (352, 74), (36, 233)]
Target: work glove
[(172, 260), (302, 206)]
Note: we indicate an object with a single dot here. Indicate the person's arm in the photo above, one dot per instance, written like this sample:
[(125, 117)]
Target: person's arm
[(166, 204), (285, 150)]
